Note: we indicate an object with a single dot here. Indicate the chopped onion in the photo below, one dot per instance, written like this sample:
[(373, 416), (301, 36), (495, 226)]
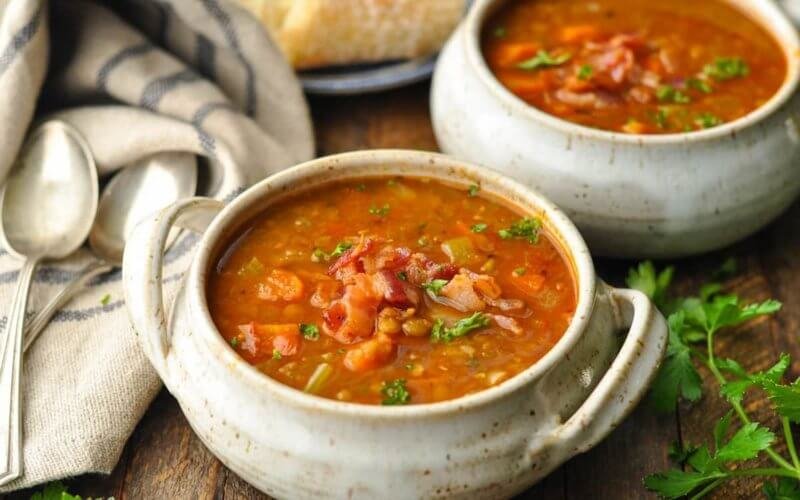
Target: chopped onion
[(319, 378)]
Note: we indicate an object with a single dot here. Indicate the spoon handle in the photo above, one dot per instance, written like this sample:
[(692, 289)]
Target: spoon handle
[(10, 374), (35, 326)]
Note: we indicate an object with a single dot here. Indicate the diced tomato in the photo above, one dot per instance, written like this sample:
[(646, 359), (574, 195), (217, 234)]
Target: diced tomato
[(370, 354), (280, 284)]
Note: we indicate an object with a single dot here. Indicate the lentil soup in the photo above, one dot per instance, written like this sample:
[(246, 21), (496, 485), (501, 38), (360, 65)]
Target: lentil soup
[(392, 291), (633, 66)]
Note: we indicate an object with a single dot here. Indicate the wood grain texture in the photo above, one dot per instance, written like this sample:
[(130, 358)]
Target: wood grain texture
[(164, 458)]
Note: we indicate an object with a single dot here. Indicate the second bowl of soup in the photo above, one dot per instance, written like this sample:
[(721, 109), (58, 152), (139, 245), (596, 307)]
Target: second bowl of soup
[(391, 322), (662, 128)]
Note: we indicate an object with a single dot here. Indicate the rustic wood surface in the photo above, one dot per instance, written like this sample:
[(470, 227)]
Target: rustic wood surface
[(164, 459)]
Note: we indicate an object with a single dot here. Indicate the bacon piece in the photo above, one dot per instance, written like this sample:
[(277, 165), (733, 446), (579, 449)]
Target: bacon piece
[(507, 323), (586, 100), (462, 295), (391, 258), (420, 270), (352, 255), (261, 340), (326, 292), (352, 317), (395, 291)]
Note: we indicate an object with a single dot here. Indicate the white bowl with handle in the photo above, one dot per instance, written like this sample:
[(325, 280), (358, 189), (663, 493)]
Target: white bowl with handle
[(630, 195), (289, 444)]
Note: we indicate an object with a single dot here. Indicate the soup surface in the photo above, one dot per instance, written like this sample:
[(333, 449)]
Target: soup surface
[(392, 291), (641, 67)]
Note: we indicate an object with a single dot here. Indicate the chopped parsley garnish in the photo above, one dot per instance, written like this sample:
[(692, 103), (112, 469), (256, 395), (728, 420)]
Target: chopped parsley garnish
[(519, 271), (726, 68), (380, 211), (500, 32), (473, 190), (105, 300), (276, 354), (668, 93), (319, 255), (661, 118), (309, 331), (361, 187), (441, 333), (479, 227), (435, 286), (54, 491), (234, 342), (585, 72), (395, 393), (699, 84), (707, 120), (402, 276), (543, 59), (526, 228)]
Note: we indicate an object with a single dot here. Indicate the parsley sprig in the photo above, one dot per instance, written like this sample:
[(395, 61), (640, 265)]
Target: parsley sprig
[(442, 333), (395, 393), (525, 228), (693, 324), (544, 59)]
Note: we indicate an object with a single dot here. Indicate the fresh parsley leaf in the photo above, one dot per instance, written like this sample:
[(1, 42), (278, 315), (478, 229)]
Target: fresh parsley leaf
[(676, 483), (783, 489), (726, 68), (309, 331), (526, 228), (442, 333), (54, 491), (679, 453), (707, 120), (668, 93), (544, 59), (473, 189), (727, 269), (748, 441), (395, 393), (341, 248), (585, 72), (677, 376), (435, 286), (380, 211), (699, 84), (319, 255), (105, 300), (479, 227), (786, 398), (645, 279), (234, 342)]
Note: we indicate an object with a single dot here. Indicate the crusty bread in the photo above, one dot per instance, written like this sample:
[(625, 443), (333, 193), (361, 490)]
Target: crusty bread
[(316, 33)]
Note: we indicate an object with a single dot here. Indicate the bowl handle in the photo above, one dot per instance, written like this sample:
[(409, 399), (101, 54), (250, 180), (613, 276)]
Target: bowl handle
[(625, 382), (142, 268)]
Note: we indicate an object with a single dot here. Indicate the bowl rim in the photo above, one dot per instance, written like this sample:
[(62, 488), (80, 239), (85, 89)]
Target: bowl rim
[(359, 164), (778, 26)]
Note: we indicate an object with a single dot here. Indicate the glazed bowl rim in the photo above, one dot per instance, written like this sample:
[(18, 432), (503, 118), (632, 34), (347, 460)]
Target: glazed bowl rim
[(780, 28), (437, 166)]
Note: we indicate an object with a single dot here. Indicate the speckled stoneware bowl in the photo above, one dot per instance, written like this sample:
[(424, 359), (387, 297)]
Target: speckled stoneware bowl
[(630, 195), (289, 444)]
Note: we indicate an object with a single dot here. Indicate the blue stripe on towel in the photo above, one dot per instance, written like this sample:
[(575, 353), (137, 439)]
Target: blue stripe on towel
[(205, 55), (119, 58), (20, 40), (206, 140), (155, 90), (224, 21)]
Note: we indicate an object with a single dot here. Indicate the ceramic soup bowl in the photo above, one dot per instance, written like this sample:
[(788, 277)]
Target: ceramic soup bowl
[(490, 444), (630, 195)]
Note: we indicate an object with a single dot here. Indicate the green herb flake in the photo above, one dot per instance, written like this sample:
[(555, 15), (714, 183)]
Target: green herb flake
[(254, 267), (668, 93), (585, 72), (520, 271), (54, 491), (309, 331), (479, 228), (395, 393), (543, 59), (726, 68), (472, 190), (500, 32), (661, 117), (361, 187), (526, 228), (434, 287), (234, 342), (276, 354), (105, 300), (341, 248), (380, 211), (699, 84), (319, 255), (707, 120), (402, 276), (442, 333)]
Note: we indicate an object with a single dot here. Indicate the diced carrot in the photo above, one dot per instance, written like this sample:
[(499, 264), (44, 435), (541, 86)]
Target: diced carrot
[(579, 33), (280, 284), (634, 127), (370, 354), (575, 84), (509, 54), (525, 86), (529, 283)]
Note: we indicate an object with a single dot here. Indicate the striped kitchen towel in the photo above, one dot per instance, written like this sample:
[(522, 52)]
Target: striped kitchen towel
[(136, 78)]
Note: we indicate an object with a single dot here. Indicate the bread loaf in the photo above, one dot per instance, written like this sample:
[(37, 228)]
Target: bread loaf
[(316, 33)]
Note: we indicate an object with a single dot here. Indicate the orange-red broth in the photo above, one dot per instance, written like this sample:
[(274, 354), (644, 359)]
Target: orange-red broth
[(417, 214)]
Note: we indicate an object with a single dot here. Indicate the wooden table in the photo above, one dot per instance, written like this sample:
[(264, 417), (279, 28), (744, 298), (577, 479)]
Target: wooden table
[(164, 459)]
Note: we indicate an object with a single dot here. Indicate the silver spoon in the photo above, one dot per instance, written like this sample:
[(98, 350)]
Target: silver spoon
[(46, 211), (135, 192)]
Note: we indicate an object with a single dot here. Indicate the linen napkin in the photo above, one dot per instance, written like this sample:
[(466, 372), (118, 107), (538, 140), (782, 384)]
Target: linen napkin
[(136, 78)]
